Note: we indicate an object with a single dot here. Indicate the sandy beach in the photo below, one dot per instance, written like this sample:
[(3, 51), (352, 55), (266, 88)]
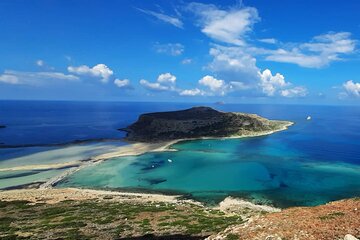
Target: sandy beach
[(57, 195), (132, 149), (54, 195)]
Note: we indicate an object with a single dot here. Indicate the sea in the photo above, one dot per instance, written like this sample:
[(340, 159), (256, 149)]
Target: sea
[(313, 162)]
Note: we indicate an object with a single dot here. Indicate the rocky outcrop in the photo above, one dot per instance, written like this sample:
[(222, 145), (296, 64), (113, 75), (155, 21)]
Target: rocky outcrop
[(199, 122), (350, 237), (326, 222)]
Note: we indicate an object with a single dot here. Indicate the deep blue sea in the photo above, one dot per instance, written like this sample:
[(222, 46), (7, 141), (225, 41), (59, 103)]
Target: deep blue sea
[(312, 162)]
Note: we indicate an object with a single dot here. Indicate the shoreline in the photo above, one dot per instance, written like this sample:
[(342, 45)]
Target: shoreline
[(133, 149), (229, 205), (136, 149)]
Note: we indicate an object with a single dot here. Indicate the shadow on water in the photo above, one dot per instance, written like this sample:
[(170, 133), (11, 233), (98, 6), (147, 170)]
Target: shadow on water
[(167, 237)]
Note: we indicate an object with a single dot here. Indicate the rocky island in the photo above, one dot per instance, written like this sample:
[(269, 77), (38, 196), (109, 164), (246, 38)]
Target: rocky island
[(198, 122)]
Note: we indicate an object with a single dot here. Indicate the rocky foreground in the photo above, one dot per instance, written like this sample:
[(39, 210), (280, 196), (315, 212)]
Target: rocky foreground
[(332, 221), (199, 122), (91, 214)]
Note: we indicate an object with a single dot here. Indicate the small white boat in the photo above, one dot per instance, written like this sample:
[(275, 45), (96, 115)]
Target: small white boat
[(169, 160), (308, 118)]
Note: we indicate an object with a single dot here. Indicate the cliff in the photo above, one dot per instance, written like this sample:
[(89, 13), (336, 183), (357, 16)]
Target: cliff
[(199, 122)]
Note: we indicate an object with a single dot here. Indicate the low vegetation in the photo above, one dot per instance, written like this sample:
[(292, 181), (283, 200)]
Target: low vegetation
[(93, 219)]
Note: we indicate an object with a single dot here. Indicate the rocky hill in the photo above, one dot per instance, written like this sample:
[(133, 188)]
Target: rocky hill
[(333, 221), (199, 122), (94, 214)]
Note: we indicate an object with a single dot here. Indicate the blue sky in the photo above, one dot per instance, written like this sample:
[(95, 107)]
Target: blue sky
[(300, 51)]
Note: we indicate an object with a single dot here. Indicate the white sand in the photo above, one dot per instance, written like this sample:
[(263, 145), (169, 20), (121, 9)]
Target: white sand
[(49, 195), (231, 204), (57, 195)]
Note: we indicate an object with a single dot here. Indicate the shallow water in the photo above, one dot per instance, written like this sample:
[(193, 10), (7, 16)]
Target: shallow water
[(262, 169), (28, 156), (310, 163)]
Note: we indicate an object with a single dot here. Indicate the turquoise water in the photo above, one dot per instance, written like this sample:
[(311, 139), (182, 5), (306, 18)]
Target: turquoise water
[(310, 163), (262, 169)]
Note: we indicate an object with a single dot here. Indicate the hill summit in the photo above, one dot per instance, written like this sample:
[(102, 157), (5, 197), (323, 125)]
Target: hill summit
[(199, 122)]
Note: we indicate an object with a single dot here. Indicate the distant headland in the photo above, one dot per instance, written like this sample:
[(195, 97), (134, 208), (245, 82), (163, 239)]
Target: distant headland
[(200, 122)]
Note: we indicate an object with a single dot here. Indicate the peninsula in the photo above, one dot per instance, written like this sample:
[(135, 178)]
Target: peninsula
[(199, 122)]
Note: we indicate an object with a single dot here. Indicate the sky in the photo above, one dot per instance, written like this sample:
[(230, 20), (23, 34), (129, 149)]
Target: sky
[(250, 51)]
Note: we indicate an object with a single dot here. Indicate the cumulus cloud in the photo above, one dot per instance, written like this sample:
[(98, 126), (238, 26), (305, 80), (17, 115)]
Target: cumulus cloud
[(125, 83), (192, 92), (34, 78), (351, 88), (229, 26), (217, 86), (166, 78), (164, 82), (239, 71), (271, 83), (319, 52), (233, 64), (99, 70), (172, 49), (164, 18)]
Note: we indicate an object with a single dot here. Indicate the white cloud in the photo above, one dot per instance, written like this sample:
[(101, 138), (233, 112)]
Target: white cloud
[(186, 61), (233, 64), (268, 40), (125, 83), (165, 82), (166, 78), (34, 78), (270, 84), (352, 89), (40, 63), (233, 25), (192, 92), (217, 86), (163, 17), (273, 85), (9, 79), (235, 85), (153, 86), (331, 43), (173, 49), (229, 26), (99, 70), (294, 92), (238, 70), (319, 52)]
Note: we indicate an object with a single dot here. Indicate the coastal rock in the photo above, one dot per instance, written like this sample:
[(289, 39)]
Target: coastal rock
[(333, 220), (199, 122), (350, 237)]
